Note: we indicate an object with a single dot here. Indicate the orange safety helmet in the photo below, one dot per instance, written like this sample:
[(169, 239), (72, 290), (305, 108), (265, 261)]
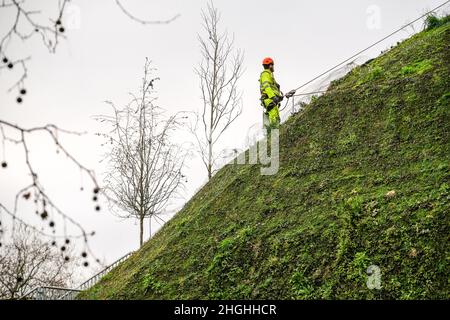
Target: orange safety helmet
[(268, 61)]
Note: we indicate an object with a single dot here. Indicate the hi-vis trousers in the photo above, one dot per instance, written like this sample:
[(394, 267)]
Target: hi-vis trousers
[(271, 119)]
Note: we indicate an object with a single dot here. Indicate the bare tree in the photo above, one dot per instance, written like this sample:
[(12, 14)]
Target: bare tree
[(219, 72), (145, 164), (28, 262), (29, 20)]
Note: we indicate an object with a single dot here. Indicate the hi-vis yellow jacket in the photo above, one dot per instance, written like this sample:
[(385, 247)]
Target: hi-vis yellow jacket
[(269, 88)]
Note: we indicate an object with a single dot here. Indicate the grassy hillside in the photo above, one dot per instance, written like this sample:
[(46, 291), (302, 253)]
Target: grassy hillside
[(364, 180)]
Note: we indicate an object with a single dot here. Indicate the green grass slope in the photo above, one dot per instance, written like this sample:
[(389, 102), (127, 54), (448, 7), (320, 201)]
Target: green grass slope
[(364, 180)]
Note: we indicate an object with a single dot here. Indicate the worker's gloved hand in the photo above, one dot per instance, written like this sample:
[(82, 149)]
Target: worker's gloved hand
[(277, 99), (290, 93)]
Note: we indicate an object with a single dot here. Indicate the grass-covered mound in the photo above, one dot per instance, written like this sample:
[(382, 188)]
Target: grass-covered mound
[(364, 180)]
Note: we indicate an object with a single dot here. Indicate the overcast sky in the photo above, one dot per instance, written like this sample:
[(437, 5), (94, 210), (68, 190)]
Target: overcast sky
[(102, 59)]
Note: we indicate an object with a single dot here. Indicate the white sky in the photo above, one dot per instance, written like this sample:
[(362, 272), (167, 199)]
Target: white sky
[(102, 59)]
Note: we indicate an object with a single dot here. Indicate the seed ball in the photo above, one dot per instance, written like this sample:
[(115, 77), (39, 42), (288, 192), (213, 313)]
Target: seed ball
[(53, 243), (23, 91), (94, 198), (58, 22), (4, 164), (67, 241), (10, 65), (97, 208), (66, 258), (63, 248), (44, 215), (61, 29), (51, 224), (84, 254), (5, 60), (96, 190), (19, 100), (86, 264)]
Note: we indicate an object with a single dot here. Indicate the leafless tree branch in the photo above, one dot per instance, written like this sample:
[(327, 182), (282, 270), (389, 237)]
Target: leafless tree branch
[(219, 73), (35, 191), (144, 22), (27, 262), (24, 26), (144, 163)]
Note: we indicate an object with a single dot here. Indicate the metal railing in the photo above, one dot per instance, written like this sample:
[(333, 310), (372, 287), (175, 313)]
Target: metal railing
[(94, 279), (57, 293), (48, 293)]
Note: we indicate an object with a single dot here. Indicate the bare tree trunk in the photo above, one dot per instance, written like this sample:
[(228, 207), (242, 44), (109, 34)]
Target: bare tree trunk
[(210, 158), (141, 231)]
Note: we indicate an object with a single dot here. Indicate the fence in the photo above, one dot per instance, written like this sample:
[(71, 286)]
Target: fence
[(57, 293)]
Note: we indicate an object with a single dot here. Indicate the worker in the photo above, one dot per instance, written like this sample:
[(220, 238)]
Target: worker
[(271, 96)]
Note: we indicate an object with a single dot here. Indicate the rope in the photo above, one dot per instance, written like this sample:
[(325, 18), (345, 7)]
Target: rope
[(371, 46), (342, 90), (357, 54)]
